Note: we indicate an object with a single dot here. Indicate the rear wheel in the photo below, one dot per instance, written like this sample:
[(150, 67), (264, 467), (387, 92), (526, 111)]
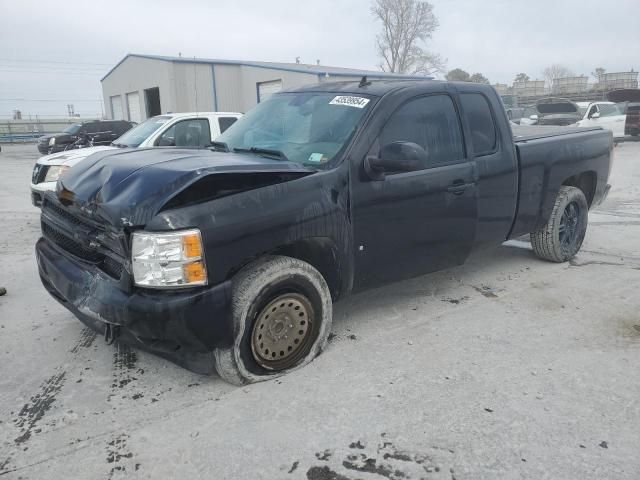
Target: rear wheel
[(561, 238), (282, 314)]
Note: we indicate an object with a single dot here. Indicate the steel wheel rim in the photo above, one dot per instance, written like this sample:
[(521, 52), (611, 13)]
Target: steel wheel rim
[(569, 227), (282, 331)]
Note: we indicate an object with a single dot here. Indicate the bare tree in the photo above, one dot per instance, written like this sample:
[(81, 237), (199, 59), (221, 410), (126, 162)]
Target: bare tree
[(406, 26), (522, 77), (554, 72)]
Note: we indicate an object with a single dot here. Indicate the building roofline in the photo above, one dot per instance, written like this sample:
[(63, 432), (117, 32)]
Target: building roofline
[(320, 72)]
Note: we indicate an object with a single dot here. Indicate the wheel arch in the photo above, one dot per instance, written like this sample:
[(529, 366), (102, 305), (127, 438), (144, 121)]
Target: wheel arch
[(585, 181), (322, 253)]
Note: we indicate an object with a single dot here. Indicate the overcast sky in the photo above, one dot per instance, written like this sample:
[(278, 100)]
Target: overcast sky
[(54, 53)]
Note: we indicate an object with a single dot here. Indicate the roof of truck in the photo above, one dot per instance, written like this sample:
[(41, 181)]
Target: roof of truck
[(373, 87), (198, 114)]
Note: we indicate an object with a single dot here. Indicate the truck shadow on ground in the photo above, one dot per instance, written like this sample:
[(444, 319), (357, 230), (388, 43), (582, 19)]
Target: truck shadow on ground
[(487, 273)]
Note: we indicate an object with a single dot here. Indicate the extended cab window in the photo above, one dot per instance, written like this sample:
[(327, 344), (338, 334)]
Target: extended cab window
[(431, 122), (226, 122), (93, 127), (188, 133), (483, 130)]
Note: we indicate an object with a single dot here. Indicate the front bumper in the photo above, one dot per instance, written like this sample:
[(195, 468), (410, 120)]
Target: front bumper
[(181, 325)]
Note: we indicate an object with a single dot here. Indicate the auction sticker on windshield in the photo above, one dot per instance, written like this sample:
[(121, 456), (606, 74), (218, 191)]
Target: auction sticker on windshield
[(357, 102)]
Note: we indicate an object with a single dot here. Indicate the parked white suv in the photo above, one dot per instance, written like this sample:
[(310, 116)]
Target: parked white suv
[(607, 115), (195, 130)]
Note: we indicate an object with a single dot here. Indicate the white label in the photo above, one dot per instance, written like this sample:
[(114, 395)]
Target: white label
[(358, 102), (315, 158)]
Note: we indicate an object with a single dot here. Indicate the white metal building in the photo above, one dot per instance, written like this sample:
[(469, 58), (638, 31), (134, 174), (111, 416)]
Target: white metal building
[(141, 86)]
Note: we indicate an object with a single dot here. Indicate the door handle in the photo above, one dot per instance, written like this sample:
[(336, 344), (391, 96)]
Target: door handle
[(458, 187)]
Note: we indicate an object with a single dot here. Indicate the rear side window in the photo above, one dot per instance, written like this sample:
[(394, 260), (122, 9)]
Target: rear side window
[(483, 130), (226, 122), (119, 127), (93, 127)]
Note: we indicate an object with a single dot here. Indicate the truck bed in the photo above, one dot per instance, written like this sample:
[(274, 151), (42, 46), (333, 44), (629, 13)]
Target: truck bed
[(525, 133), (547, 157)]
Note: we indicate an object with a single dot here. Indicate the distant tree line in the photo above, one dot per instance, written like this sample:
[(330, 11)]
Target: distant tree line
[(550, 74)]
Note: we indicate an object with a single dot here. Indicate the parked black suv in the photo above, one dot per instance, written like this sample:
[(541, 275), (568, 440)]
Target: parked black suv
[(101, 132)]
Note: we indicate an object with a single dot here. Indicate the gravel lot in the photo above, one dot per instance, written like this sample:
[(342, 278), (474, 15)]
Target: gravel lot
[(507, 367)]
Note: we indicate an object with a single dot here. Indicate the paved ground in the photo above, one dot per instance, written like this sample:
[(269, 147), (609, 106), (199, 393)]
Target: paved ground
[(507, 367)]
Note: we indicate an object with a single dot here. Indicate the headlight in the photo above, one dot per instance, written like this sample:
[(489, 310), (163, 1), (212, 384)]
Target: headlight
[(166, 260), (52, 141), (55, 172)]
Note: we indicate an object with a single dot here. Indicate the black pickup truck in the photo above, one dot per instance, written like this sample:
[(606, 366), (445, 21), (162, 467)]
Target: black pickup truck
[(231, 257)]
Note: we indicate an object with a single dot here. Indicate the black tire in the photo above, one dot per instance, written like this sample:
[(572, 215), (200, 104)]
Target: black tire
[(561, 238), (254, 289)]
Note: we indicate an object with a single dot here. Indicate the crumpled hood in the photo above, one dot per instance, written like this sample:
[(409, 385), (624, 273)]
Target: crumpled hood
[(127, 188), (71, 157)]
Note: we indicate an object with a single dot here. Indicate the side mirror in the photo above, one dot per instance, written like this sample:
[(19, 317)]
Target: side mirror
[(396, 157), (533, 117), (595, 115)]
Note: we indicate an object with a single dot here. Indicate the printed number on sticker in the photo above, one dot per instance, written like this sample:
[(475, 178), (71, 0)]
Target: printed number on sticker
[(358, 102)]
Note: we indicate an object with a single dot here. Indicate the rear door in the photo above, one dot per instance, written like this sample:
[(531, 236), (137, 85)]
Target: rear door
[(491, 146), (415, 222), (611, 118)]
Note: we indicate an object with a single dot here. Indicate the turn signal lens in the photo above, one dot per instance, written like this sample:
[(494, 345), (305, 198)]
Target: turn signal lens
[(192, 246), (195, 273)]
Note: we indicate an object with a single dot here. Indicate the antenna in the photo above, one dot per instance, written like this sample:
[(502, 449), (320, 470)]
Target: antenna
[(364, 82)]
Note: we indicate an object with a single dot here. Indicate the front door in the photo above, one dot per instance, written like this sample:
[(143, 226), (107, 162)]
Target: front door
[(414, 222)]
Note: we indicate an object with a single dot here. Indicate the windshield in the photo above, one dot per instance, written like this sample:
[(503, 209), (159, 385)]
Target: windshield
[(140, 133), (72, 129), (307, 128)]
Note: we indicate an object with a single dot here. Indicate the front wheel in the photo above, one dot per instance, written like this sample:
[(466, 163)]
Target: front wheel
[(561, 238), (282, 315)]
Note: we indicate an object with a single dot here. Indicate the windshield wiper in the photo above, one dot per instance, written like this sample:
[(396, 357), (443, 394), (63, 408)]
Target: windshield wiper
[(265, 151), (119, 145), (219, 147)]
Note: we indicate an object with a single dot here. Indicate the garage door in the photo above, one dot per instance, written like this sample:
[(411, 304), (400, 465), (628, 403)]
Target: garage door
[(266, 89), (133, 106), (116, 107)]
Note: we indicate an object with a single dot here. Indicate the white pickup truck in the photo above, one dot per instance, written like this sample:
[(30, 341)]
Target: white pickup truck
[(607, 115), (195, 130)]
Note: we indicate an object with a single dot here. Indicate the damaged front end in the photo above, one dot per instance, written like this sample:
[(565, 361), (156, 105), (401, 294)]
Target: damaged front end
[(85, 255), (87, 268)]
